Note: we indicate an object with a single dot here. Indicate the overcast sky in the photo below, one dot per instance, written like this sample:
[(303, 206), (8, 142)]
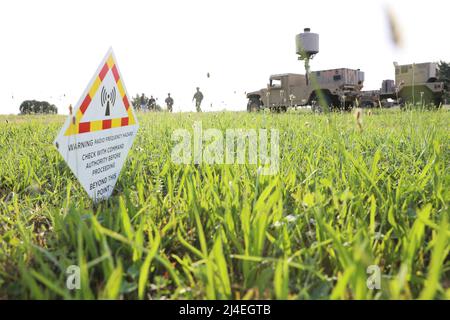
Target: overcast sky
[(51, 49)]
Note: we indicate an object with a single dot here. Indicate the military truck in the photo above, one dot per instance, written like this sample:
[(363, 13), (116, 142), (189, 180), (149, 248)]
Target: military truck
[(414, 83), (369, 98), (417, 83), (338, 87), (375, 98)]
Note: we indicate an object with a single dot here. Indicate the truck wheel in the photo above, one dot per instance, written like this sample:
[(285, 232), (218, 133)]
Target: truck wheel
[(253, 106), (317, 109), (321, 105)]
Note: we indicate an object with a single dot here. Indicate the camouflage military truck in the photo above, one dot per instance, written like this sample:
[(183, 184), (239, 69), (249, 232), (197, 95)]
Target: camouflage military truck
[(340, 88), (417, 83), (414, 83)]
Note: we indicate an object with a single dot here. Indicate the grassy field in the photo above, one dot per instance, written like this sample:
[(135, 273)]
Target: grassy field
[(344, 200)]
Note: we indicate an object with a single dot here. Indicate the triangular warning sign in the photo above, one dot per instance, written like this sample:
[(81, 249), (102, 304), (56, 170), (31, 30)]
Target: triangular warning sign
[(107, 87), (97, 136)]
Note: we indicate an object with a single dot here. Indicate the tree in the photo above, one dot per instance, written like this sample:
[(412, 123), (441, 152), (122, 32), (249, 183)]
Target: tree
[(444, 76), (37, 107), (25, 107)]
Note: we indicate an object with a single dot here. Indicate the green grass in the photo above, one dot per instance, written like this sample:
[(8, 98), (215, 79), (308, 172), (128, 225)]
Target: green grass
[(343, 200)]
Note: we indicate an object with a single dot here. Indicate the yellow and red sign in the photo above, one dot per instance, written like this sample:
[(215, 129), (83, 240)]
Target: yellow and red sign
[(99, 132), (78, 126)]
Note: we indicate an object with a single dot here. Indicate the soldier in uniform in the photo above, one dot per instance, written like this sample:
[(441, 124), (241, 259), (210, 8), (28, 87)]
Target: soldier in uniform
[(152, 103), (142, 102), (198, 97), (169, 102)]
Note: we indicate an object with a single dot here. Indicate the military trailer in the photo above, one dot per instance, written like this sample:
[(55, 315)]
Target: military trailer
[(381, 97), (369, 98), (338, 87)]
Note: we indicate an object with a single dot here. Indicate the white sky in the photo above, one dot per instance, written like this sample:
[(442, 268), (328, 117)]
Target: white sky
[(52, 48)]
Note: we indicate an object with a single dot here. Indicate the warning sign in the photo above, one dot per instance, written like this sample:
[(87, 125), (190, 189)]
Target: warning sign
[(98, 135)]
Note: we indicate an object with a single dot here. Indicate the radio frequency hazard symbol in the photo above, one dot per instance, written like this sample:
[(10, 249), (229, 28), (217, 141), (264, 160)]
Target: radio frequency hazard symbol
[(99, 132)]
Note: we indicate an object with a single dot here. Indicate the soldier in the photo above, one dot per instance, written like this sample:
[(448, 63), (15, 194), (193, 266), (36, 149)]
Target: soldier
[(152, 103), (198, 97), (142, 102), (169, 102)]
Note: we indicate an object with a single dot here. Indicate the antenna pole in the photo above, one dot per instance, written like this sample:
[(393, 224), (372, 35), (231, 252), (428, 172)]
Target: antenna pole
[(307, 69)]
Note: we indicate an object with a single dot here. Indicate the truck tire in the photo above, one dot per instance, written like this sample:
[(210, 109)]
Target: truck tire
[(275, 109), (316, 109), (253, 106), (319, 106)]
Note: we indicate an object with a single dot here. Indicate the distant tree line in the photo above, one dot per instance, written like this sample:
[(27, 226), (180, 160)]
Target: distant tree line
[(37, 107), (444, 76)]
